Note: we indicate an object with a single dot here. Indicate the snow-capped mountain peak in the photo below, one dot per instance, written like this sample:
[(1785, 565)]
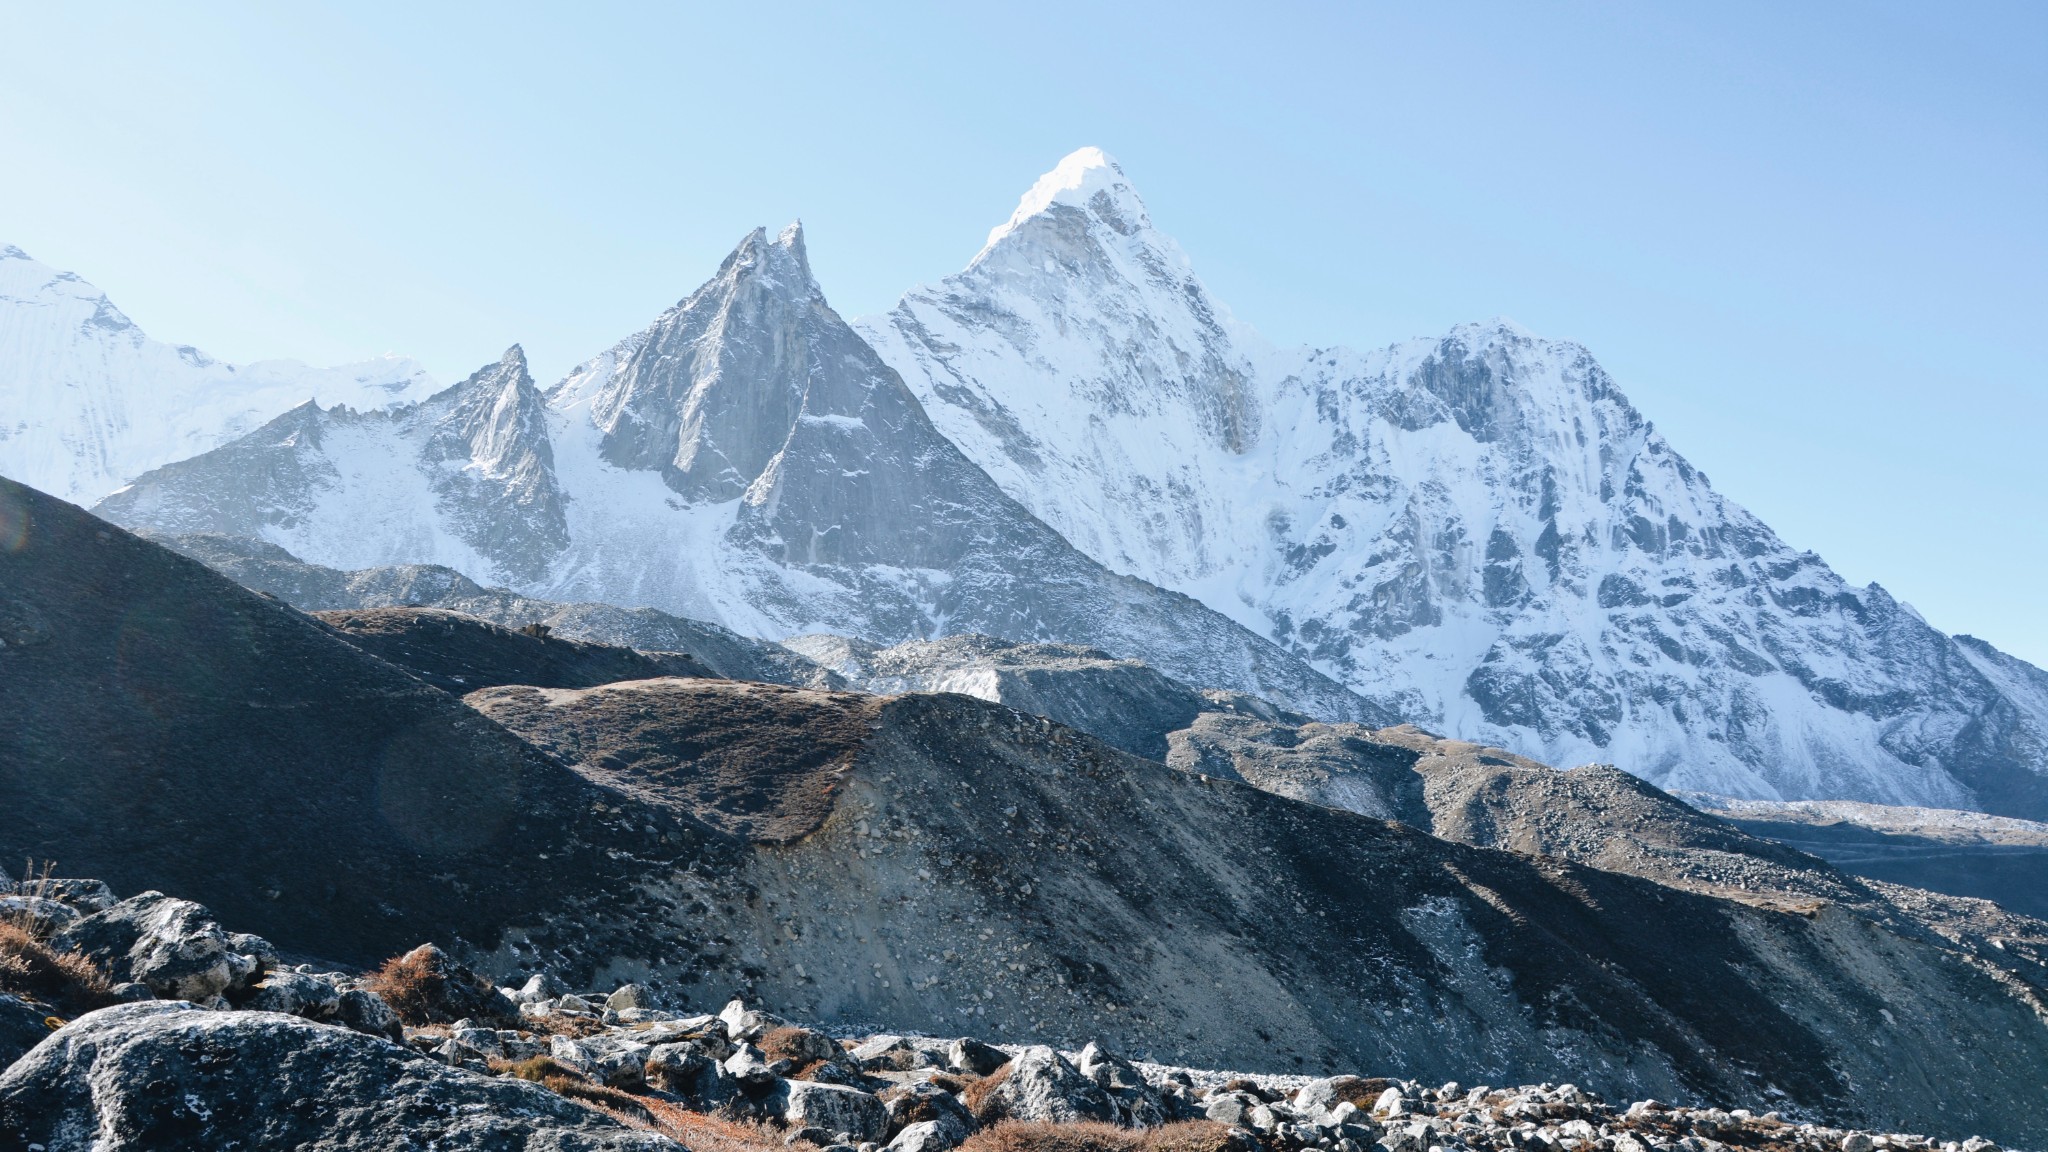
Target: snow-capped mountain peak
[(91, 401), (1087, 179), (1477, 531)]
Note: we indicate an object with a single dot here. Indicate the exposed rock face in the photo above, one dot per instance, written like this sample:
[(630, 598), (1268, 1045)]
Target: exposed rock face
[(749, 460), (465, 478), (1335, 765), (159, 1076), (461, 653), (1477, 531)]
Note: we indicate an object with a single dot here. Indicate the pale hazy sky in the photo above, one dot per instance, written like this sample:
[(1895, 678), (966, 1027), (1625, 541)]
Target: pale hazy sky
[(1810, 241)]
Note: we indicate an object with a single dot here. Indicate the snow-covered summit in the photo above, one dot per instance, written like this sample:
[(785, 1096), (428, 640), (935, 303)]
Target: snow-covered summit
[(90, 401), (1087, 179), (1479, 530)]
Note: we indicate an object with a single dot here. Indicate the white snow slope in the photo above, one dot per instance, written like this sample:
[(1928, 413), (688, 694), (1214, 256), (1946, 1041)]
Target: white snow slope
[(88, 402), (1477, 531)]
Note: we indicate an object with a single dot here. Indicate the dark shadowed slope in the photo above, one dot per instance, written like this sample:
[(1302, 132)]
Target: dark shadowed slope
[(162, 727)]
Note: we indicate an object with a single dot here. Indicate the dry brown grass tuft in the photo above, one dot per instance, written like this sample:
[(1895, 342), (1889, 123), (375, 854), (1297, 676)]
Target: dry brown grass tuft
[(1363, 1091), (425, 986), (788, 1043), (701, 1133), (410, 985), (978, 1096), (1020, 1136), (1189, 1136), (694, 1130), (562, 1024), (31, 968), (1090, 1136)]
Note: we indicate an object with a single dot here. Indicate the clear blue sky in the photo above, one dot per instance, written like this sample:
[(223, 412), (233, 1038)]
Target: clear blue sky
[(1811, 240)]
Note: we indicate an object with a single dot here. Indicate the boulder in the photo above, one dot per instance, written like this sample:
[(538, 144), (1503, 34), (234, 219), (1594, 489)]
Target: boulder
[(295, 994), (174, 946), (687, 1070), (1232, 1108), (86, 896), (609, 1060), (1319, 1096), (366, 1012), (22, 1027), (746, 1024), (974, 1058), (1040, 1086), (46, 914), (1138, 1103), (835, 1108), (927, 1136), (749, 1067), (627, 996), (155, 1076), (538, 988), (925, 1102), (888, 1053)]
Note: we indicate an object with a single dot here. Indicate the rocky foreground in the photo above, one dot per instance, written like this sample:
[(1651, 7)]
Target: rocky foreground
[(192, 1036)]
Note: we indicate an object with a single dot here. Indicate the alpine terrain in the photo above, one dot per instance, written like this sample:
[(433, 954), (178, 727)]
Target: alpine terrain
[(745, 460), (1478, 532), (88, 402)]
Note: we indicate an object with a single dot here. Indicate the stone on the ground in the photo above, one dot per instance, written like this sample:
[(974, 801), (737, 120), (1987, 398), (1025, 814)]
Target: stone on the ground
[(627, 996), (48, 915), (295, 994), (973, 1057), (22, 1027), (364, 1011), (609, 1060), (162, 1075), (1042, 1087), (927, 1136), (174, 946), (743, 1023), (835, 1108)]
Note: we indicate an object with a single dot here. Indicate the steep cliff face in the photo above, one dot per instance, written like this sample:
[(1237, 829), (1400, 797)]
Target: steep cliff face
[(92, 402), (1478, 532), (747, 460)]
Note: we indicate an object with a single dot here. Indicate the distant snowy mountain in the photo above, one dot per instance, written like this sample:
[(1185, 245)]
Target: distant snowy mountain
[(1478, 531), (746, 459), (87, 402), (1071, 441)]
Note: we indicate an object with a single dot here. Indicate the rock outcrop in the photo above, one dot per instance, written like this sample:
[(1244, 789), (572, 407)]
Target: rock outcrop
[(158, 1076)]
